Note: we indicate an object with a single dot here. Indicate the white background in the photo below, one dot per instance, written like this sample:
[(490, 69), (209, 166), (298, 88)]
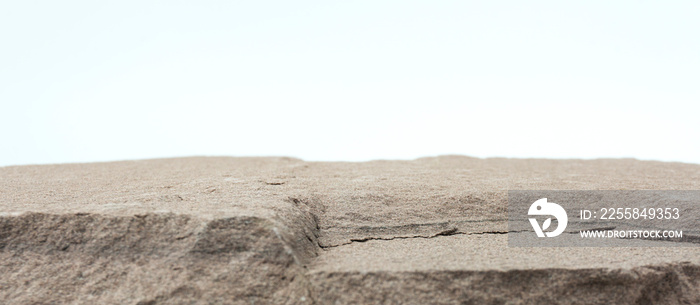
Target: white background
[(84, 81)]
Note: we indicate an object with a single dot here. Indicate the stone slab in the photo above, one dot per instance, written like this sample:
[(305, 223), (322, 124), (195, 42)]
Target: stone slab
[(284, 231)]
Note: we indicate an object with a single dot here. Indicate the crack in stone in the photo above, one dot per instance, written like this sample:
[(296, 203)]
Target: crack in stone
[(449, 232), (416, 225)]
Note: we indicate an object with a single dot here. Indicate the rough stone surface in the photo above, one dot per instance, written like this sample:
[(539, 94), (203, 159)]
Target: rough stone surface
[(285, 231)]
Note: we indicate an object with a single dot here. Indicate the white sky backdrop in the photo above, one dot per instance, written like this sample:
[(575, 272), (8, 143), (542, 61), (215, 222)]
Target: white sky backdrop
[(85, 81)]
